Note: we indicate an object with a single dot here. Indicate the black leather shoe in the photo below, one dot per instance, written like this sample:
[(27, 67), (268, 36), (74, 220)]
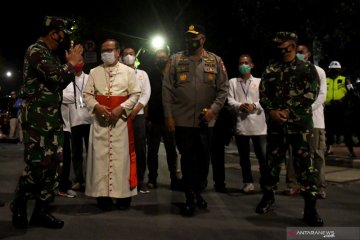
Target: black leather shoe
[(104, 203), (123, 203), (45, 219), (189, 208), (220, 188), (19, 214), (42, 218), (200, 202), (265, 203), (176, 185), (312, 218)]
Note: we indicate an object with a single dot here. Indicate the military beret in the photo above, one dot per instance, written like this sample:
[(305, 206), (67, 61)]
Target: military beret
[(56, 23), (196, 29), (281, 37)]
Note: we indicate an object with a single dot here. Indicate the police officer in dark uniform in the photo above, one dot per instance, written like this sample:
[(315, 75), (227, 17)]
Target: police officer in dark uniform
[(194, 90), (288, 89), (44, 79)]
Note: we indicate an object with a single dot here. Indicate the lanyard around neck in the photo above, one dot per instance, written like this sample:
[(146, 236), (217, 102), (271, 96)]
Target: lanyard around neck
[(82, 85), (247, 87)]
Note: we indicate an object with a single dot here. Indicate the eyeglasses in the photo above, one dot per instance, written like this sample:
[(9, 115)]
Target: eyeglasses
[(108, 50)]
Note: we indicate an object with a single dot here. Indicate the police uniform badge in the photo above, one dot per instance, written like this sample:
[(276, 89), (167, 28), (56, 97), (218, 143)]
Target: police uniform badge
[(182, 76)]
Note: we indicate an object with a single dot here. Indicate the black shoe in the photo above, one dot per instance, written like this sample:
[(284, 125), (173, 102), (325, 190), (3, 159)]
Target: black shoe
[(176, 185), (200, 202), (312, 218), (265, 203), (123, 203), (47, 220), (42, 218), (19, 214), (220, 188), (189, 208), (151, 185), (104, 203), (142, 188)]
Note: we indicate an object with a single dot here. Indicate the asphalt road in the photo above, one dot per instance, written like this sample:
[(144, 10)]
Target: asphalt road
[(156, 215)]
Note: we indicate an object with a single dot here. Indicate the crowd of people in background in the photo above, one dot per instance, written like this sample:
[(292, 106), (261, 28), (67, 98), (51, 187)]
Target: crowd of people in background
[(294, 113)]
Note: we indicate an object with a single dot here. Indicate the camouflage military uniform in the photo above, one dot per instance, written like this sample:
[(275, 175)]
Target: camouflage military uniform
[(44, 80), (293, 86)]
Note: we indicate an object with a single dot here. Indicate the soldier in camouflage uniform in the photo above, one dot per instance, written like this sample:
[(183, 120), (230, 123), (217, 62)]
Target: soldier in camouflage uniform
[(288, 89), (44, 79), (195, 88)]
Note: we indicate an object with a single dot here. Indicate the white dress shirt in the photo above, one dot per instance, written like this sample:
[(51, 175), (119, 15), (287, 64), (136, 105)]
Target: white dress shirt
[(142, 76), (248, 124), (79, 114), (318, 105)]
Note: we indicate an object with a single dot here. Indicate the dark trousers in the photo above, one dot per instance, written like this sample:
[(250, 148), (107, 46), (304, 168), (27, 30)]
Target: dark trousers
[(334, 122), (79, 136), (140, 146), (243, 146), (194, 147), (65, 183), (154, 135), (218, 157)]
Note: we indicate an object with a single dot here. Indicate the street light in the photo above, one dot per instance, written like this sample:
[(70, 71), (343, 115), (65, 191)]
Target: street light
[(153, 44), (157, 42), (8, 74)]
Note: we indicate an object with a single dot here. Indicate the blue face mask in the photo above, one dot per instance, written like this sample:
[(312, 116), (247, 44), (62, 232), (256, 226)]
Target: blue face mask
[(300, 56), (244, 68)]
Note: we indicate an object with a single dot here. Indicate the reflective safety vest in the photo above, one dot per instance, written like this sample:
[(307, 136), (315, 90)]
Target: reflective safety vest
[(336, 89)]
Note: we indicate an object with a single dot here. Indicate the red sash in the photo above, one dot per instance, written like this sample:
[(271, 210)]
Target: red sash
[(112, 102)]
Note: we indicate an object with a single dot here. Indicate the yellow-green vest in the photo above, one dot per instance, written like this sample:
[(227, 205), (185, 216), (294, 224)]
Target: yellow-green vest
[(336, 89)]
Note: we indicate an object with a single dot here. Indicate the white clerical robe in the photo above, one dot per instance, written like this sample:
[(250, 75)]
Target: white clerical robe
[(108, 163)]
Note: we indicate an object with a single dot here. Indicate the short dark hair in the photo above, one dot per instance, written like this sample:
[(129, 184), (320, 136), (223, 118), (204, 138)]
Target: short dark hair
[(246, 55), (117, 45)]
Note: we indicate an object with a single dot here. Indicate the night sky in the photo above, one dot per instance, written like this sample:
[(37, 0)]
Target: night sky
[(233, 26)]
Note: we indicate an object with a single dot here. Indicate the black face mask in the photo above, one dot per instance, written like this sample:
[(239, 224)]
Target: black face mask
[(192, 45), (161, 63), (280, 52), (333, 72)]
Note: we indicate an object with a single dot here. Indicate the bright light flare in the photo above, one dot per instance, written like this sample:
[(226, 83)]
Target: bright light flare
[(158, 42)]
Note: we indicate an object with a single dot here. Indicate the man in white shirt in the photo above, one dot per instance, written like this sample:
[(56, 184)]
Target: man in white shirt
[(318, 142), (243, 98), (80, 121), (138, 117)]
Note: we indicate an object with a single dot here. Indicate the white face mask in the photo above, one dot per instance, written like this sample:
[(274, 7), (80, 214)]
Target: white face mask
[(108, 58), (129, 59)]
